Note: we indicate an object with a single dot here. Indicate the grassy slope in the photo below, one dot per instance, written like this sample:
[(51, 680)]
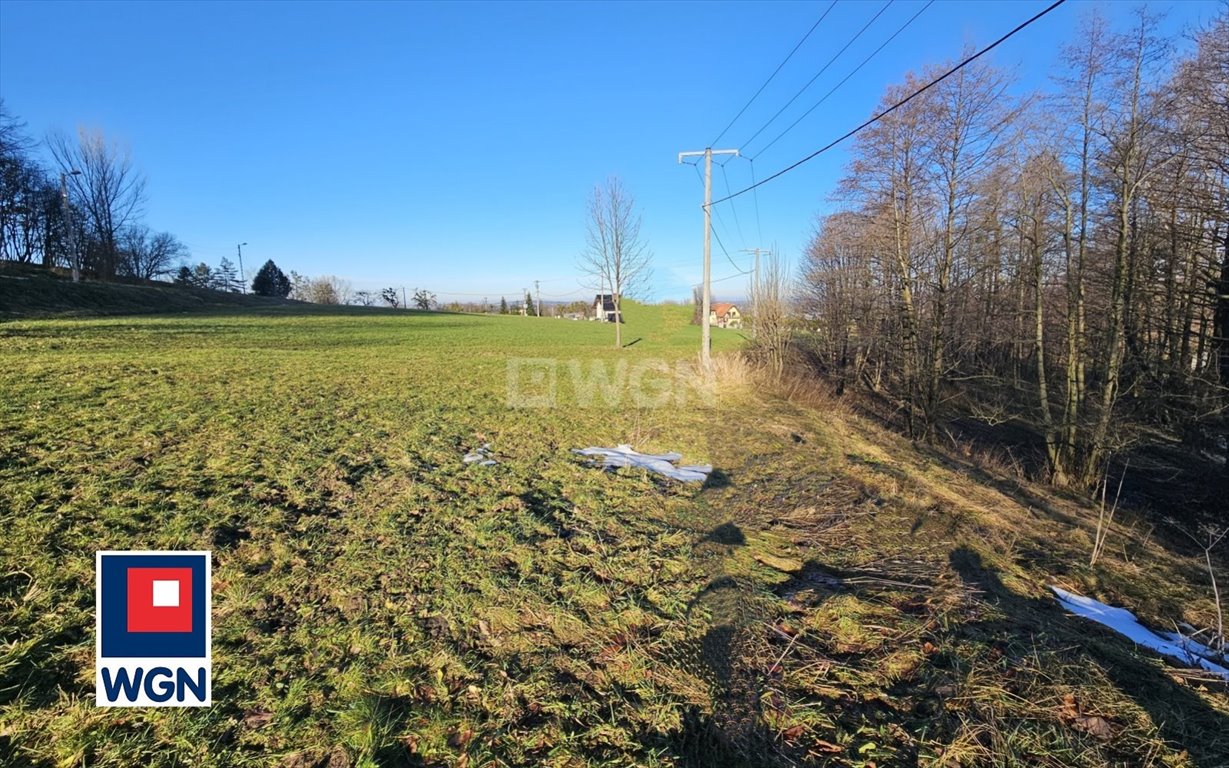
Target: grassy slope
[(377, 602), (27, 291)]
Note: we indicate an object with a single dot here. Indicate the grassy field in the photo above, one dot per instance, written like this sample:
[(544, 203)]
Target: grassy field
[(831, 596)]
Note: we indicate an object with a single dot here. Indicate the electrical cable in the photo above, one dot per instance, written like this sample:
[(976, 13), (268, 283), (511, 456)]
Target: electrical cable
[(845, 79), (817, 74), (895, 106), (774, 74)]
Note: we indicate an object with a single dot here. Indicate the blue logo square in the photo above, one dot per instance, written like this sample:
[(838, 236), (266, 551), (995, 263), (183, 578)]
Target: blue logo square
[(117, 641)]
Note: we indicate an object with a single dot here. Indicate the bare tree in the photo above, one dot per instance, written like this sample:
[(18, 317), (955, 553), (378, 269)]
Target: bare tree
[(615, 257), (341, 288), (968, 116), (771, 296), (148, 255), (1133, 154), (424, 299), (30, 211), (108, 190), (890, 176)]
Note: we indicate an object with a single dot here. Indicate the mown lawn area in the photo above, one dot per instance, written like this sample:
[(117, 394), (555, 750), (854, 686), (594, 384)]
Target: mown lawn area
[(373, 595), (832, 596)]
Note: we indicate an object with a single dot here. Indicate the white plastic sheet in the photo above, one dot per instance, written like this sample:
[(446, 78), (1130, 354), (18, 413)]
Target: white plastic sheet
[(482, 456), (1124, 623), (662, 463)]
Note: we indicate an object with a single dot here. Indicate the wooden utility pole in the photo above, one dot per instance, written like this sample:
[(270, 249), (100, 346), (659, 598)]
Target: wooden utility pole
[(66, 215), (755, 288), (243, 288), (705, 330)]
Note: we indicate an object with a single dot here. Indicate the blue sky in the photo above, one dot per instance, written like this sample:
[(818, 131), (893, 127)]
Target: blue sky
[(452, 146)]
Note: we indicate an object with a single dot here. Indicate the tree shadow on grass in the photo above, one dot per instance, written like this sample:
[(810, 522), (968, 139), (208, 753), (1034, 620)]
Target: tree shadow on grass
[(1181, 716)]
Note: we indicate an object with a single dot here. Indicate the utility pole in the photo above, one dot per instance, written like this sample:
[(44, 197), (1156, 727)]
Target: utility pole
[(537, 287), (404, 304), (243, 285), (66, 212), (755, 288), (705, 331)]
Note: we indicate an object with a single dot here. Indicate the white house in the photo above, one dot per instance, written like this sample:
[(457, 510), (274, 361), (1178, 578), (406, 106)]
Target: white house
[(725, 315), (604, 308)]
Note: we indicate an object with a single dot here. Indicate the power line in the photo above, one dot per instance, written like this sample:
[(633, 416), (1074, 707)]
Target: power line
[(874, 53), (727, 255), (894, 107), (759, 232), (733, 208), (728, 277), (820, 72), (774, 74), (720, 220)]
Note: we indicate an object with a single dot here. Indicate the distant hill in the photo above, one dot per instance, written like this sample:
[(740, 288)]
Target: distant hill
[(30, 291)]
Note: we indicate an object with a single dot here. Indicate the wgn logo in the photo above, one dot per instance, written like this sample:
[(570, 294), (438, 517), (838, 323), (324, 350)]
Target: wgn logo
[(153, 629)]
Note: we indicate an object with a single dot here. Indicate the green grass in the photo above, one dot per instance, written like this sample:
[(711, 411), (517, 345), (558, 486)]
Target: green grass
[(378, 602)]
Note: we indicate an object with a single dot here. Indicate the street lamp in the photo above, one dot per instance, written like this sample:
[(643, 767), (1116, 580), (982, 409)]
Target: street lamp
[(65, 210), (243, 285)]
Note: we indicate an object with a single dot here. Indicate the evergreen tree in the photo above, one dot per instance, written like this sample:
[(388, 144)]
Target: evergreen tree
[(271, 281), (183, 276), (503, 306), (202, 276), (225, 278)]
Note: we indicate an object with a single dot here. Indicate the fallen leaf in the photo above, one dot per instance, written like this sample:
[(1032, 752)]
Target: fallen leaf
[(338, 758), (787, 629), (299, 760), (1096, 726), (784, 564), (460, 737), (257, 718), (1070, 709)]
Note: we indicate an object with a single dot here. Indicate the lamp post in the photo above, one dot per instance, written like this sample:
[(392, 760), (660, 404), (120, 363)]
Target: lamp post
[(243, 284), (65, 210)]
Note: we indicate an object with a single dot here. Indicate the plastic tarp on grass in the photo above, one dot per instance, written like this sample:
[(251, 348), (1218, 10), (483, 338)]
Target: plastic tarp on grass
[(1124, 623), (662, 463), (480, 456)]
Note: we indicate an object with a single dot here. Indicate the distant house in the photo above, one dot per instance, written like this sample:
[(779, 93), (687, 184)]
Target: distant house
[(725, 315), (604, 308)]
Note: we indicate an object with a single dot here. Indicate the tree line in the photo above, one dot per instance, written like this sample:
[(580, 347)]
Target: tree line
[(1057, 258), (83, 213)]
